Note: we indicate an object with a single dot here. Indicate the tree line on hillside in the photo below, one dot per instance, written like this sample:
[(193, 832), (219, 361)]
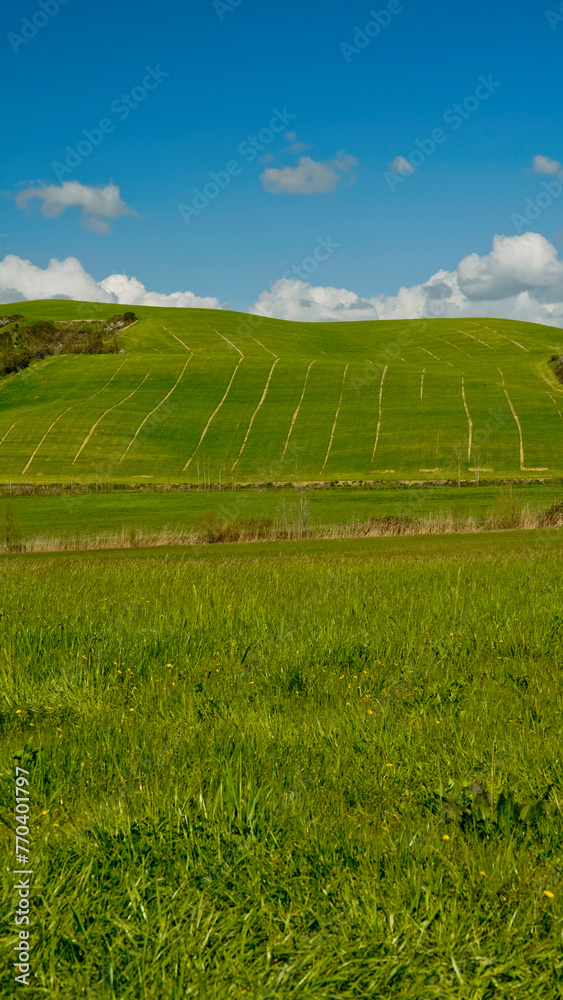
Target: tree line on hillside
[(21, 344)]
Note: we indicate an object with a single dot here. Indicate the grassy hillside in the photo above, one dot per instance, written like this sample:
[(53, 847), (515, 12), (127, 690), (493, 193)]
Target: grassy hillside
[(200, 395)]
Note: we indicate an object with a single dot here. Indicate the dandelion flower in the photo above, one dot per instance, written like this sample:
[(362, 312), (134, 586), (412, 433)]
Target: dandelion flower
[(445, 837), (550, 895)]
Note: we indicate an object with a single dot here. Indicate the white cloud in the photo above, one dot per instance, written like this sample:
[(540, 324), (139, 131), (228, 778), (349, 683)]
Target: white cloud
[(309, 176), (543, 165), (401, 166), (20, 280), (515, 264), (522, 278), (130, 291), (97, 203)]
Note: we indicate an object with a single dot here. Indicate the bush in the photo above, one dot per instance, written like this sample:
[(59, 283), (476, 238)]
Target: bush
[(507, 512), (553, 517)]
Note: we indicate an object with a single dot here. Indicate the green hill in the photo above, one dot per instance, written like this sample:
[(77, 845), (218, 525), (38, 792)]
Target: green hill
[(208, 395)]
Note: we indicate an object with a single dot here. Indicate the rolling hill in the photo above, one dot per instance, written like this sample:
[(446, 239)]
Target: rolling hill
[(201, 395)]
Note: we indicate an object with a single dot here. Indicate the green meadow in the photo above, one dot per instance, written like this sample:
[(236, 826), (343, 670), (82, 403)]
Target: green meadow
[(310, 769), (87, 517), (199, 396)]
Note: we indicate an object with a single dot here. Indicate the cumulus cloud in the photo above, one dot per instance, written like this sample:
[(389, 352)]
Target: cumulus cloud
[(309, 176), (20, 280), (521, 278), (543, 165), (97, 203), (131, 291), (401, 166)]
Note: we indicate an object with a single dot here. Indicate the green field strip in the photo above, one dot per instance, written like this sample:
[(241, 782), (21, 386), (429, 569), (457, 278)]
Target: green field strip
[(296, 411), (264, 453), (175, 428), (254, 415), (312, 428), (84, 429), (335, 419), (116, 428), (542, 436), (445, 428), (59, 446), (226, 433), (356, 429), (40, 416), (214, 412), (399, 447), (496, 442), (152, 413)]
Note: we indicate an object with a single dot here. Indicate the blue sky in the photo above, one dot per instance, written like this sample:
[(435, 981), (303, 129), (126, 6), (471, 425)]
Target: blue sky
[(219, 72)]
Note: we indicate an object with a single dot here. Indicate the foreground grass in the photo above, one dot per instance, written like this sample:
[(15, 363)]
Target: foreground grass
[(239, 756)]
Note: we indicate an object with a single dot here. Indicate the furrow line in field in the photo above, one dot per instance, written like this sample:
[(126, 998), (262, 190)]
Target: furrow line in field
[(515, 415), (214, 414), (456, 347), (523, 468), (10, 429), (296, 414), (105, 413), (469, 420), (465, 334), (46, 434), (87, 400), (188, 349), (336, 417), (226, 339), (149, 415), (422, 384), (515, 342), (547, 394), (264, 348), (254, 415), (380, 412), (436, 357)]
